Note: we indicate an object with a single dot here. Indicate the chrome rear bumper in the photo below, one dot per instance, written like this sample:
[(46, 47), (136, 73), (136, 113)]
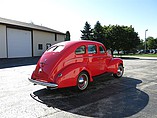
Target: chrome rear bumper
[(52, 85)]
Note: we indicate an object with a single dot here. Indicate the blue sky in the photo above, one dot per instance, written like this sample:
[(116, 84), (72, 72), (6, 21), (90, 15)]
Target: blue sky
[(71, 15)]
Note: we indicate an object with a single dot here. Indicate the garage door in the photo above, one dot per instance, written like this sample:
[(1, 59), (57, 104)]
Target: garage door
[(19, 43)]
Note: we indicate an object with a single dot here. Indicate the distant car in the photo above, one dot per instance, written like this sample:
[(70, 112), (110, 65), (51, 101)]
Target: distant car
[(153, 51), (75, 63), (140, 52)]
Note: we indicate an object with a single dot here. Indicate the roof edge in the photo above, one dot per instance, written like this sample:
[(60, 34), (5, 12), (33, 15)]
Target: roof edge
[(28, 25)]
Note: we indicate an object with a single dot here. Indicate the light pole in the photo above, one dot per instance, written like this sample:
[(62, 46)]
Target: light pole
[(145, 40)]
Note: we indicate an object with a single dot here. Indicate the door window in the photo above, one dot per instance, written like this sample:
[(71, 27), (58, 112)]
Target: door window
[(92, 49), (101, 49)]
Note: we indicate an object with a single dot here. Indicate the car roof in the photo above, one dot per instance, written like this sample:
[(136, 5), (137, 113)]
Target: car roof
[(72, 43)]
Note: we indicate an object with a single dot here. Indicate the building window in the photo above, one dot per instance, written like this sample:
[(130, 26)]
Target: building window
[(48, 45), (40, 46), (55, 37), (92, 49)]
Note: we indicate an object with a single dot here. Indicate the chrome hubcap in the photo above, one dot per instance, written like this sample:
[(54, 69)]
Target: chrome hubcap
[(120, 71), (82, 81)]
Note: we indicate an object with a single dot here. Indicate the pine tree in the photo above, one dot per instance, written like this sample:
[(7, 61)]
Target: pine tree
[(67, 38), (99, 34), (87, 32)]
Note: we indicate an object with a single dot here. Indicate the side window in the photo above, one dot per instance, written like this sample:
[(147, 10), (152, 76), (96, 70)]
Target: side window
[(80, 50), (92, 49), (101, 49)]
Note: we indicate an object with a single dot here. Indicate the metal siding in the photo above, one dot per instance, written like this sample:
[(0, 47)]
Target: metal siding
[(3, 49), (43, 38)]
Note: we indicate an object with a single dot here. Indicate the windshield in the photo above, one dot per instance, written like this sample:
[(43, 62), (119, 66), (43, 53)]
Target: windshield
[(56, 48)]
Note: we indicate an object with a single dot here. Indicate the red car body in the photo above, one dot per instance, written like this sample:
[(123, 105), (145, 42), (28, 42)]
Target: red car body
[(74, 63)]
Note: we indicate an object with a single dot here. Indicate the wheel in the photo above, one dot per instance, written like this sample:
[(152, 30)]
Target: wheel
[(82, 81), (120, 72)]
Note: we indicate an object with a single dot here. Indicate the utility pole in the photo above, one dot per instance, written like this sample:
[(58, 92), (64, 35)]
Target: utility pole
[(145, 41)]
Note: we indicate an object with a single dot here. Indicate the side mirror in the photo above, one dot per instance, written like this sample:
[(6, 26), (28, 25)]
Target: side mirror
[(109, 51)]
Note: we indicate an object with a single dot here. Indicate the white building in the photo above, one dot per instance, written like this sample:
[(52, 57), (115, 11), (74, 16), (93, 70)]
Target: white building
[(19, 39)]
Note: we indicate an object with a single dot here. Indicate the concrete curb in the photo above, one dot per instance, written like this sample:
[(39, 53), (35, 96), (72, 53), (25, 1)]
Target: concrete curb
[(137, 57)]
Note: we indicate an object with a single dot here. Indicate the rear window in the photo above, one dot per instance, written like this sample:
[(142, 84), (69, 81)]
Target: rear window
[(57, 48), (80, 50)]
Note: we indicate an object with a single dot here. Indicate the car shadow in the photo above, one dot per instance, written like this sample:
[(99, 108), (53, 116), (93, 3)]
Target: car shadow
[(15, 62), (104, 98)]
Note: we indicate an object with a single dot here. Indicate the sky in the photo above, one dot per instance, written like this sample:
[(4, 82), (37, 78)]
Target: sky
[(71, 15)]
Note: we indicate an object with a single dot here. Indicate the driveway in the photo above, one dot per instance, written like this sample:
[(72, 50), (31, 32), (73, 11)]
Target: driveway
[(134, 95)]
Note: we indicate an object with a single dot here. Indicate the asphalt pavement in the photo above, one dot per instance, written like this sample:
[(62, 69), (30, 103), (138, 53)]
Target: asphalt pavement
[(134, 95)]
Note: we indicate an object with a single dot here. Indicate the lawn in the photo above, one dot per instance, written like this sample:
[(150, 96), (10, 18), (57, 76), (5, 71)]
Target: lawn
[(138, 55), (146, 55)]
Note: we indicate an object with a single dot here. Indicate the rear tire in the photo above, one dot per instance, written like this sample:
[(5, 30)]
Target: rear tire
[(120, 72), (82, 81)]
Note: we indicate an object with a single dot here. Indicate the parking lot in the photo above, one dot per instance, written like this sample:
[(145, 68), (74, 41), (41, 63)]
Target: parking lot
[(133, 95)]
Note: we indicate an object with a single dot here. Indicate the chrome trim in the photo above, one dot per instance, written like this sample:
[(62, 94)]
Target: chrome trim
[(43, 83)]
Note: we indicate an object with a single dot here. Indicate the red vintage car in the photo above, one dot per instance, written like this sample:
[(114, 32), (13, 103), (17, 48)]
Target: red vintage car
[(75, 63)]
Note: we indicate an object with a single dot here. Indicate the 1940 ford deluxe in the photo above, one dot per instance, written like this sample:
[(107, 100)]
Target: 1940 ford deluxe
[(75, 63)]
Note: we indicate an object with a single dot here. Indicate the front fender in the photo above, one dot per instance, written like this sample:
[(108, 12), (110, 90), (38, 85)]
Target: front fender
[(68, 76), (113, 65)]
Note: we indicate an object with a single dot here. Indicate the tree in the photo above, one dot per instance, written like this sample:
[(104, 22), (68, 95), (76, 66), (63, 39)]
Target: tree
[(141, 45), (87, 32), (132, 40), (98, 33), (67, 37), (151, 43), (121, 38), (113, 36)]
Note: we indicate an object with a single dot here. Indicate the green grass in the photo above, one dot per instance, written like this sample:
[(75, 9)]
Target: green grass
[(138, 55), (147, 55)]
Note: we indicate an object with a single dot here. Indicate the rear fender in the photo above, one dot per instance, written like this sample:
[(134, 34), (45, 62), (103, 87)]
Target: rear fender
[(68, 76), (113, 65)]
